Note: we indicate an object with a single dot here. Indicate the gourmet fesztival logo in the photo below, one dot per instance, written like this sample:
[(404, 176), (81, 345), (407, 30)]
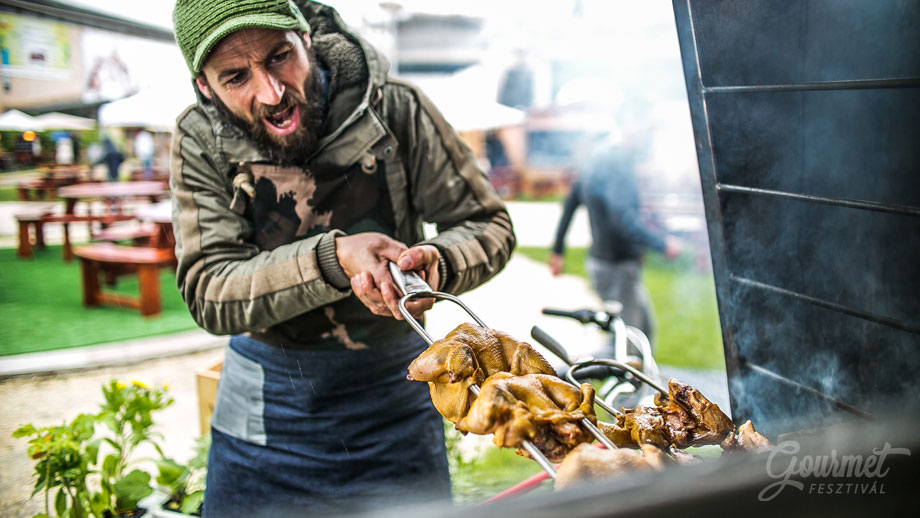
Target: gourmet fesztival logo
[(784, 463)]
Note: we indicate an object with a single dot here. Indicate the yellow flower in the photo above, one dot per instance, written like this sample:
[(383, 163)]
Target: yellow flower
[(139, 384), (120, 386), (165, 387)]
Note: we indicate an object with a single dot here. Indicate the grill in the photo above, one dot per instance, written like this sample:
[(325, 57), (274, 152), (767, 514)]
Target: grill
[(805, 116)]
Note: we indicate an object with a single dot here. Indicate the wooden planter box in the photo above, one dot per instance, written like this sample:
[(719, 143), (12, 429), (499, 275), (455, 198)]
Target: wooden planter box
[(207, 377)]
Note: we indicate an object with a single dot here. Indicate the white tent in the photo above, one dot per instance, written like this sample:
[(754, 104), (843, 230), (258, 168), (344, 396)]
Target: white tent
[(154, 109), (16, 120), (467, 99), (63, 121)]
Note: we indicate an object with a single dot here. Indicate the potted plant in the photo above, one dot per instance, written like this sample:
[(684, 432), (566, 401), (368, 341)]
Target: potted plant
[(67, 456), (180, 487)]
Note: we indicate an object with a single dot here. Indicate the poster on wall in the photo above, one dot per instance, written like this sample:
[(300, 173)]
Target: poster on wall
[(118, 66), (34, 48)]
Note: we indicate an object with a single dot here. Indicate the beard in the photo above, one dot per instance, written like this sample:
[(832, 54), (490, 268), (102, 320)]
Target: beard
[(294, 148)]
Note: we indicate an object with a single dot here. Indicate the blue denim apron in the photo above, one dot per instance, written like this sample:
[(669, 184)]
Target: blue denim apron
[(305, 433)]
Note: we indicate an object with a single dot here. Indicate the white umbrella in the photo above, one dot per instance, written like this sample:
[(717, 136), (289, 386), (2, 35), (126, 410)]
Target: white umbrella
[(64, 121), (18, 121), (154, 109)]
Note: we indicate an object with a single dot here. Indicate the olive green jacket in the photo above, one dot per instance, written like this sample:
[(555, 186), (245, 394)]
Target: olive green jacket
[(233, 285)]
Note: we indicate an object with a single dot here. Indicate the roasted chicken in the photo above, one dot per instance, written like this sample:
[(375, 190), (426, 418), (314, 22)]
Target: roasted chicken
[(468, 355), (541, 408), (746, 439), (687, 418), (589, 462)]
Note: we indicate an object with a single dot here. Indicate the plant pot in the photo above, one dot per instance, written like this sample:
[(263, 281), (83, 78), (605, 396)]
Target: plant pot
[(153, 504)]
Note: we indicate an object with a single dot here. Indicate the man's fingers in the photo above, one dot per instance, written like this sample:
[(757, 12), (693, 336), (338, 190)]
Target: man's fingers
[(367, 292), (391, 299), (417, 257)]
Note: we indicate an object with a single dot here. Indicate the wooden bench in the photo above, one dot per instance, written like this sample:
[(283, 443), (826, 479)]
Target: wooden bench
[(35, 220), (139, 234), (96, 257), (67, 219)]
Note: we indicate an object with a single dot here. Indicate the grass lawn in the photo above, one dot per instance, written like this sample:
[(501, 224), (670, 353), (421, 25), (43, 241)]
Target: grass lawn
[(8, 194), (493, 471), (685, 308), (41, 308)]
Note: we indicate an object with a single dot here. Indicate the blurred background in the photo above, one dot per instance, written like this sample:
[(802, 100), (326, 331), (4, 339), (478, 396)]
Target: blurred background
[(525, 83)]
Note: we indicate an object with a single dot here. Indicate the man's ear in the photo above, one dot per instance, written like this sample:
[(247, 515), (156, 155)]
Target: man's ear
[(306, 39), (203, 87)]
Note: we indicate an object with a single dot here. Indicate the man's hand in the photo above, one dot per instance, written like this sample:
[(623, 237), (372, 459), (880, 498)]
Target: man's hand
[(556, 263), (364, 258)]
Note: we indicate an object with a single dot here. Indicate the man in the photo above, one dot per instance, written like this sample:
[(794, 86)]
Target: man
[(299, 174), (607, 186)]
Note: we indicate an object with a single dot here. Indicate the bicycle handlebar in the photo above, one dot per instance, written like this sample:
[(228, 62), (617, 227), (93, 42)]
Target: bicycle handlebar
[(602, 319)]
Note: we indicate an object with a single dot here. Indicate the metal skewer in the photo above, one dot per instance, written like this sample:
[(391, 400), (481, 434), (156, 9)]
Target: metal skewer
[(412, 286), (556, 348)]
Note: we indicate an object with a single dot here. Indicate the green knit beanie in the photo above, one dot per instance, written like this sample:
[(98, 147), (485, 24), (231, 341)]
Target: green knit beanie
[(200, 24)]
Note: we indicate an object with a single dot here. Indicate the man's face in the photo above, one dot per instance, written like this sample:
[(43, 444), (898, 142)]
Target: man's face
[(267, 82)]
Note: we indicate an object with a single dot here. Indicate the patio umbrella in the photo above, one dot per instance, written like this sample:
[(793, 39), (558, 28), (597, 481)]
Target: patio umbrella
[(16, 120), (64, 121)]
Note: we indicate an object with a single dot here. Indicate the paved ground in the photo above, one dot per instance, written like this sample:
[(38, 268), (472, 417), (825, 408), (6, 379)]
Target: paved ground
[(512, 302)]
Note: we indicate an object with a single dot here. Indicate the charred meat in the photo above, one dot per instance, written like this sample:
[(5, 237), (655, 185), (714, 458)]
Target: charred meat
[(687, 418), (746, 439)]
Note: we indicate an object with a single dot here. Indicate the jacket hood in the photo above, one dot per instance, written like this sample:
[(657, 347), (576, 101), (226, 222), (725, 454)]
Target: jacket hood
[(355, 70)]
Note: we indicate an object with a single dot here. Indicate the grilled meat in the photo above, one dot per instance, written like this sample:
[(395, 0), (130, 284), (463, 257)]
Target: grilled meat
[(536, 407), (466, 356), (746, 439), (587, 462), (693, 419), (687, 418)]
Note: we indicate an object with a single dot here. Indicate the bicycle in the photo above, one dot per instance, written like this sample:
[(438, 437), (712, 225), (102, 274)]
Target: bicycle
[(630, 377)]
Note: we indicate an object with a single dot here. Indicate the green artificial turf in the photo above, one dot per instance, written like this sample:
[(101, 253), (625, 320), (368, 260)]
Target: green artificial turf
[(684, 299), (8, 194), (41, 307)]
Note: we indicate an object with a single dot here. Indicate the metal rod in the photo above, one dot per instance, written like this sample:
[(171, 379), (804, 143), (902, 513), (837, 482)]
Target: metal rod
[(570, 375), (425, 292), (826, 304), (842, 405), (851, 84), (839, 202)]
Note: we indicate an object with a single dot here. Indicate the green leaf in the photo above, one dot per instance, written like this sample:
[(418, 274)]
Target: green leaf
[(109, 465), (60, 502), (131, 488), (170, 471), (24, 430), (92, 450), (192, 502)]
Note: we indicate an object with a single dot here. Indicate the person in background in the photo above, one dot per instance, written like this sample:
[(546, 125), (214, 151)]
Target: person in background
[(144, 150), (608, 188), (302, 171), (111, 157)]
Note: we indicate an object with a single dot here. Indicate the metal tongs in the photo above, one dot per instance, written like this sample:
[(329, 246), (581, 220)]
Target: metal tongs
[(413, 287)]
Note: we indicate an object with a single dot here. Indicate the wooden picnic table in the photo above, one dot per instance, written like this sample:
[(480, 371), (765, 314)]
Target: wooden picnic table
[(52, 177), (160, 214), (112, 193)]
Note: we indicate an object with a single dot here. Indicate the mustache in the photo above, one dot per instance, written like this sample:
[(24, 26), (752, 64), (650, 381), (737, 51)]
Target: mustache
[(289, 99)]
